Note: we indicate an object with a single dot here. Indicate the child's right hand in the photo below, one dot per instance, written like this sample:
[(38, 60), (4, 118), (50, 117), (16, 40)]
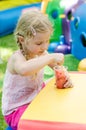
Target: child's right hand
[(59, 58)]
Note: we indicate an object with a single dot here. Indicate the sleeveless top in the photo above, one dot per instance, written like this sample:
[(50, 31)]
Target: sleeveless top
[(19, 90)]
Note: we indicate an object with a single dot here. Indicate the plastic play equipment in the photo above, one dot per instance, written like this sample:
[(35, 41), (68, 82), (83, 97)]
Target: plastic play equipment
[(54, 12), (60, 47), (82, 65), (65, 49), (52, 47), (78, 32), (7, 4), (60, 13), (59, 17), (58, 109), (9, 17), (44, 5)]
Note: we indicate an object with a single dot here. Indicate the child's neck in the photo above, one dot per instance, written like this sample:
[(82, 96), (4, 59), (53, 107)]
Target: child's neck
[(30, 56)]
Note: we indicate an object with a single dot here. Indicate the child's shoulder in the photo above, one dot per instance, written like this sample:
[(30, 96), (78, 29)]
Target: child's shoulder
[(16, 55), (17, 52)]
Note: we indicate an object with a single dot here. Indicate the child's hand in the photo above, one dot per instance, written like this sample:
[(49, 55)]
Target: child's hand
[(59, 58), (62, 77), (68, 83)]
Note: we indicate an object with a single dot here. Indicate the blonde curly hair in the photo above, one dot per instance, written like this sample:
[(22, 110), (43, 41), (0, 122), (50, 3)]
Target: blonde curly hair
[(30, 23)]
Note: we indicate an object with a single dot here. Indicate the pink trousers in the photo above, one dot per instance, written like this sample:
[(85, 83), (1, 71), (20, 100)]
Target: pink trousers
[(13, 119)]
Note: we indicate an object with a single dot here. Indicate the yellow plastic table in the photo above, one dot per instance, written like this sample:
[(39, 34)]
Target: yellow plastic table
[(58, 109)]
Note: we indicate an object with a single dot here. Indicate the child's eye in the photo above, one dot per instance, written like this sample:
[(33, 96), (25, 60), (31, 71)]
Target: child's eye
[(39, 43)]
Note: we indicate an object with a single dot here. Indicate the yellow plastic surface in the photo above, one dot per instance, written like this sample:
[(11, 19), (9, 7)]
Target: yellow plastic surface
[(6, 4), (44, 5), (60, 105)]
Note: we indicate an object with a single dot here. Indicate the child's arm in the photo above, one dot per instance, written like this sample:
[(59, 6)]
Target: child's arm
[(29, 67), (59, 59)]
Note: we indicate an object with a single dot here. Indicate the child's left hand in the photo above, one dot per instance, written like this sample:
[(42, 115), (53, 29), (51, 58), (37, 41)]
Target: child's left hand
[(68, 83)]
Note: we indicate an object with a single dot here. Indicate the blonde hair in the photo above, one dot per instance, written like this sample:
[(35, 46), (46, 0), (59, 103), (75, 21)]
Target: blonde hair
[(32, 22)]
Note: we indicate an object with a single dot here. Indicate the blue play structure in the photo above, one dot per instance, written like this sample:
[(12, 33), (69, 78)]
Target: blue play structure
[(9, 17), (78, 32)]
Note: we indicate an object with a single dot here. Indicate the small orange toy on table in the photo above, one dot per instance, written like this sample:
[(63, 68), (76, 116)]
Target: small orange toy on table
[(61, 76)]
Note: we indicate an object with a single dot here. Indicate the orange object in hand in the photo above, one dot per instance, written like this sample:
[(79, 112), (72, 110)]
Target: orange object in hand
[(60, 76)]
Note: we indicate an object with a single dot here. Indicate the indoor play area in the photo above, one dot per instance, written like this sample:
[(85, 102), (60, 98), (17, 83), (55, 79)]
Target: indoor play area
[(64, 109)]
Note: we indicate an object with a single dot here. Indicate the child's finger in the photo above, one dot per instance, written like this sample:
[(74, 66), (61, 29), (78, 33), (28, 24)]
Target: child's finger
[(68, 84)]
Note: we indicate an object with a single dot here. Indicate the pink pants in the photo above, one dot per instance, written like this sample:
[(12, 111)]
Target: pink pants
[(13, 119)]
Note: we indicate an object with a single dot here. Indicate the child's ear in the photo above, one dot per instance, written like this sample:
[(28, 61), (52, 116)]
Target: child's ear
[(21, 39)]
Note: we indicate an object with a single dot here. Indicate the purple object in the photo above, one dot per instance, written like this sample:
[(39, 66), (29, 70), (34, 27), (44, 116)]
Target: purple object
[(65, 49)]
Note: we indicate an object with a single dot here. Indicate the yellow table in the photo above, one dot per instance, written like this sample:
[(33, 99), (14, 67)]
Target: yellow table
[(58, 109)]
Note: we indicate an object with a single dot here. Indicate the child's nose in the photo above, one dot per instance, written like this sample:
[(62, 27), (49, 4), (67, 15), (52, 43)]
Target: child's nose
[(44, 47)]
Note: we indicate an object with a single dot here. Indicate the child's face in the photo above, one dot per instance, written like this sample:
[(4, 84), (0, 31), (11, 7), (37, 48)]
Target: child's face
[(38, 44)]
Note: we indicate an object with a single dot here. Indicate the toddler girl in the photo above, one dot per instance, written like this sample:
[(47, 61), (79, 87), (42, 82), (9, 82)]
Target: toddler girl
[(24, 74)]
